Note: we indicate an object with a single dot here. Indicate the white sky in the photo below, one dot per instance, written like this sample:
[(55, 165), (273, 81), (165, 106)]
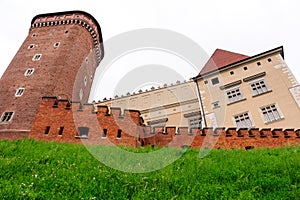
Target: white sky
[(248, 27)]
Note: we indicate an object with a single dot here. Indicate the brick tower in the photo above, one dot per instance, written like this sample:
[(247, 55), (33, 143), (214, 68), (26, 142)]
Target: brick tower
[(60, 49)]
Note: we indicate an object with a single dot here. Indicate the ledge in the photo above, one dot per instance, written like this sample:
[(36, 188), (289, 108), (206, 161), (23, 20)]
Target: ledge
[(269, 91), (244, 99)]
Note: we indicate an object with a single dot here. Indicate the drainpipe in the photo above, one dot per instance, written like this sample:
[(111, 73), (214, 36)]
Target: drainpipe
[(200, 102)]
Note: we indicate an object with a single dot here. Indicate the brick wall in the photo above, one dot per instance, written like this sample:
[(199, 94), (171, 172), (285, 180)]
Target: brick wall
[(55, 114)]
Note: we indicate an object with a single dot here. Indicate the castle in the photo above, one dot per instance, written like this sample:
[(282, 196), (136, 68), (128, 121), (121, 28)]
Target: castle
[(235, 101)]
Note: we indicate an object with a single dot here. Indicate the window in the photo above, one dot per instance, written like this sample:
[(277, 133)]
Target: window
[(83, 132), (34, 35), (215, 105), (258, 64), (245, 68), (259, 87), (195, 123), (47, 130), (104, 134), (269, 60), (85, 81), (7, 116), (37, 57), (56, 44), (205, 82), (243, 121), (215, 81), (234, 95), (61, 129), (119, 134), (31, 46), (232, 72), (20, 92), (270, 113), (29, 72)]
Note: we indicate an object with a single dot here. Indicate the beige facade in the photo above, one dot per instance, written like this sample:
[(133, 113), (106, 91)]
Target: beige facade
[(176, 105), (235, 90), (254, 92)]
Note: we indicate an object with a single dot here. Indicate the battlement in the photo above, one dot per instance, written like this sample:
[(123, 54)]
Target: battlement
[(80, 18), (65, 121)]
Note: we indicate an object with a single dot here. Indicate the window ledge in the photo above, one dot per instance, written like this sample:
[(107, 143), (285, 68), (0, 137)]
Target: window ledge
[(282, 118), (269, 91), (244, 99), (81, 137)]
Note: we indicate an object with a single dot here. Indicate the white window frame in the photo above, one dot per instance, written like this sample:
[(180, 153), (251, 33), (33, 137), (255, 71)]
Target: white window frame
[(19, 92), (243, 120), (258, 87), (37, 57), (234, 95), (31, 46), (271, 113), (195, 122), (29, 72), (5, 116)]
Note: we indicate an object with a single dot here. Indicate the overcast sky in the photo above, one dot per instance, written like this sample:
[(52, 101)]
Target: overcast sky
[(248, 27)]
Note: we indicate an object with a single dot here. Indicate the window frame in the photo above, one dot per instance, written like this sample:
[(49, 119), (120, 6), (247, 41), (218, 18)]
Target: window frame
[(241, 117), (37, 57), (236, 98), (271, 113), (215, 79), (9, 116), (29, 74), (195, 122), (21, 91), (255, 82)]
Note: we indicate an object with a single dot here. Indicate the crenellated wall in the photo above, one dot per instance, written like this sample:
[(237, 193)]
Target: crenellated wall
[(127, 129)]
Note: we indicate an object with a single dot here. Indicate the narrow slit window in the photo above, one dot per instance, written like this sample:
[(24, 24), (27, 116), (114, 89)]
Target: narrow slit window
[(119, 135), (61, 130), (104, 134)]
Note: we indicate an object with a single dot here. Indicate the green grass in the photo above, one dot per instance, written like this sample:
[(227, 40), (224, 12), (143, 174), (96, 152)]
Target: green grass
[(41, 170)]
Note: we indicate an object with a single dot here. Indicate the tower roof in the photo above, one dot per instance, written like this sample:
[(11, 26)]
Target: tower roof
[(220, 59)]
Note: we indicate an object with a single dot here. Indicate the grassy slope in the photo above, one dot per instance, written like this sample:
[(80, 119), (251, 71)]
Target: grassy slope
[(31, 169)]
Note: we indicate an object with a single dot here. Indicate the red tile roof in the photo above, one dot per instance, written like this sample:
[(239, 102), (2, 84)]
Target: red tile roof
[(220, 59)]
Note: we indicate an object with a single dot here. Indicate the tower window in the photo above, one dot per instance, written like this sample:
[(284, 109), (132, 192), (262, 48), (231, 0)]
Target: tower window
[(37, 57), (29, 72), (34, 35), (269, 60), (31, 46), (20, 92), (7, 116), (85, 81), (258, 64), (56, 44), (83, 132)]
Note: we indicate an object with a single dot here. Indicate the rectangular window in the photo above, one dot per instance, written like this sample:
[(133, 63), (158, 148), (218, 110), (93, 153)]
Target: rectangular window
[(215, 81), (29, 72), (259, 87), (20, 92), (104, 134), (61, 130), (37, 57), (47, 130), (83, 132), (270, 113), (243, 121), (7, 116), (195, 123), (234, 95), (119, 134)]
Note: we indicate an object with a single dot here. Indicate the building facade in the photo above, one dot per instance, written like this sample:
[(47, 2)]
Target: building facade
[(249, 92)]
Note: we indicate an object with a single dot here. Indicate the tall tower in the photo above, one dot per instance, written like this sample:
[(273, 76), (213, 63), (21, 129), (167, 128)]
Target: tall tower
[(60, 49)]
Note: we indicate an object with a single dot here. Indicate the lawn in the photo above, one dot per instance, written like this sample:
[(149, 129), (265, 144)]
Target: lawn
[(43, 170)]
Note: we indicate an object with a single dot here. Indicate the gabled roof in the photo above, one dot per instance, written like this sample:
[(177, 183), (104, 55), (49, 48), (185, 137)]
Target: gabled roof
[(219, 59)]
